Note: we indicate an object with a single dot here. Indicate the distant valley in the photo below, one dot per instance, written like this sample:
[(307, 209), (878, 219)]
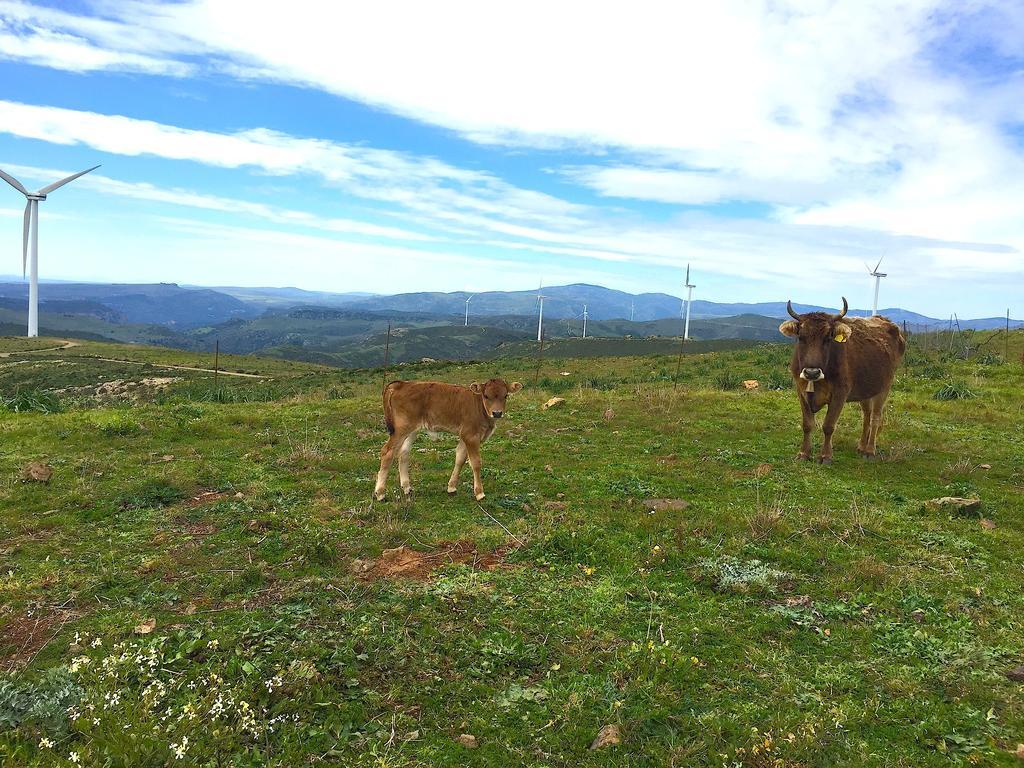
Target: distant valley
[(350, 329)]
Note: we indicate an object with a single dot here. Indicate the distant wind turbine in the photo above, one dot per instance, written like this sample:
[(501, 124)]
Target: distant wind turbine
[(540, 314), (30, 235), (689, 299), (467, 309), (584, 321), (631, 308), (878, 279)]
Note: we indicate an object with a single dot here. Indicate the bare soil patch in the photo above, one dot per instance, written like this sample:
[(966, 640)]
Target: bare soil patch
[(25, 635), (405, 563)]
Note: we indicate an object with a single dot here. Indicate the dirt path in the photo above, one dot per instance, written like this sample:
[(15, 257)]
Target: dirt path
[(183, 368), (65, 344)]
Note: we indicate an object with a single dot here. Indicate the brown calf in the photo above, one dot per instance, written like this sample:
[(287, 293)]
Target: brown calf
[(468, 412), (839, 359)]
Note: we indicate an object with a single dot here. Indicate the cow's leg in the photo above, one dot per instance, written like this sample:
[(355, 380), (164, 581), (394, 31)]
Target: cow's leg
[(865, 432), (835, 407), (877, 406), (403, 465), (808, 427), (473, 449), (387, 455), (460, 459)]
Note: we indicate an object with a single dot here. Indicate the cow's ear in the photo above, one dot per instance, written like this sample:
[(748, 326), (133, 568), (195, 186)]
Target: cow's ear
[(790, 328), (515, 386), (476, 387), (841, 332)]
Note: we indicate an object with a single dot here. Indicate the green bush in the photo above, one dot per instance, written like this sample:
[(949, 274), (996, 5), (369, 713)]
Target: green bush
[(31, 400), (954, 390)]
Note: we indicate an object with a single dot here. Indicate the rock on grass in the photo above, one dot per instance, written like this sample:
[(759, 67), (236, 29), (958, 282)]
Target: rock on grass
[(955, 505), (467, 740), (36, 472), (608, 736)]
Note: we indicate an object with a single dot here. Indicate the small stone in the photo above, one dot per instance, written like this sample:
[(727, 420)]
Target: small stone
[(608, 736), (984, 466), (362, 566), (239, 495), (955, 505), (413, 735), (751, 384), (36, 472), (664, 505), (1019, 754), (467, 740), (609, 415), (987, 524), (1016, 674), (554, 402)]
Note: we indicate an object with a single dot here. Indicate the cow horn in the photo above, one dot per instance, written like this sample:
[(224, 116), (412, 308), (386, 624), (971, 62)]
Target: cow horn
[(845, 307), (789, 308)]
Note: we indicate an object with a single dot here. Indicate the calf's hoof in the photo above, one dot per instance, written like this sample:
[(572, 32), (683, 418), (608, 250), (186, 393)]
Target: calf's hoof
[(452, 491), (803, 457), (825, 460), (407, 492), (380, 495), (481, 496)]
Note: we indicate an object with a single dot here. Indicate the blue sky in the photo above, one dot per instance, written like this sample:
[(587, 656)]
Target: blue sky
[(410, 146)]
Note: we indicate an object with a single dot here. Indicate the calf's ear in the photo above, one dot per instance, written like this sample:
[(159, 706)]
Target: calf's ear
[(476, 387), (515, 386), (841, 332), (789, 328)]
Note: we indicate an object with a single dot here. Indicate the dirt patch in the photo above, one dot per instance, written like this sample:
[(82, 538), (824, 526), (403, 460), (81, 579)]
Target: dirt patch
[(204, 498), (23, 636), (405, 563)]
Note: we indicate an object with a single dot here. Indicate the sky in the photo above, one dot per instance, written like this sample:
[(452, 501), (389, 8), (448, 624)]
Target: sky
[(401, 146)]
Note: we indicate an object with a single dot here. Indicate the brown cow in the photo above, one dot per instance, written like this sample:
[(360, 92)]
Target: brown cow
[(839, 359), (469, 412)]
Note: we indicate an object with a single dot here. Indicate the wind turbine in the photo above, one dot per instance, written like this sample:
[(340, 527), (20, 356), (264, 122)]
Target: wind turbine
[(540, 314), (30, 235), (878, 279), (689, 299), (631, 308), (467, 309), (584, 321)]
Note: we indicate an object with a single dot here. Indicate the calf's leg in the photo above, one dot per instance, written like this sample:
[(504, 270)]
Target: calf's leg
[(460, 459), (387, 455), (403, 465), (473, 449)]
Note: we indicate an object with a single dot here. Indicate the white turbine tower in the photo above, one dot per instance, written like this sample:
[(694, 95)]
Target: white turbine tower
[(878, 279), (540, 314), (467, 309), (632, 306), (30, 235), (584, 321), (689, 299)]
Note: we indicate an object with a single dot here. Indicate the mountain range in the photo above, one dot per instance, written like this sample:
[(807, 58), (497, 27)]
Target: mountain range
[(350, 329)]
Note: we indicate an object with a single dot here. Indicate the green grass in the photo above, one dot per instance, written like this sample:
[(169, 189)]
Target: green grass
[(791, 615)]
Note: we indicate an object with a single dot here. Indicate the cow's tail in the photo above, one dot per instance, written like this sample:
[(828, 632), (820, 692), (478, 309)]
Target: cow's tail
[(389, 420)]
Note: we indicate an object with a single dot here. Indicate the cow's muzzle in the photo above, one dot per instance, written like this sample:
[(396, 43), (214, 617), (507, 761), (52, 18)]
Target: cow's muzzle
[(497, 414), (811, 374)]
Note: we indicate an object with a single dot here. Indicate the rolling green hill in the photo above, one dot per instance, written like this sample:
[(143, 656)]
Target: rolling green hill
[(204, 571)]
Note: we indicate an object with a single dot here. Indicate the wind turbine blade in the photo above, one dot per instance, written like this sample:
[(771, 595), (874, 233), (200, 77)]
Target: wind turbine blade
[(62, 182), (879, 263), (687, 274), (24, 239), (13, 182)]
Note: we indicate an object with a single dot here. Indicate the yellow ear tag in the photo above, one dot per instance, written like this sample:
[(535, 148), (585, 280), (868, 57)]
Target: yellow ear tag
[(840, 337)]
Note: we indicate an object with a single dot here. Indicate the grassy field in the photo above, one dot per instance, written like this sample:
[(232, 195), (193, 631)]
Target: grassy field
[(204, 580)]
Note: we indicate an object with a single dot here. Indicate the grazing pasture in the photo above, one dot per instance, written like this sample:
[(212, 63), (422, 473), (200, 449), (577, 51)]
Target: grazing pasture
[(205, 576)]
